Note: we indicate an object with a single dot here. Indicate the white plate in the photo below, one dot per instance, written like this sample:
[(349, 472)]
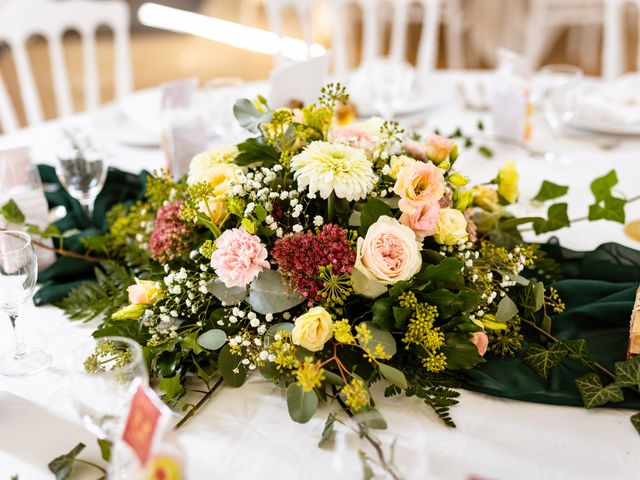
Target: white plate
[(113, 125), (596, 125)]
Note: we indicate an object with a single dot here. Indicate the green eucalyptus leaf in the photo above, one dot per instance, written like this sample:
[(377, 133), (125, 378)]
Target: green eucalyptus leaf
[(275, 328), (12, 213), (62, 466), (371, 418), (550, 191), (333, 379), (212, 339), (394, 375), (628, 373), (507, 309), (302, 405), (270, 293), (541, 359), (248, 116), (538, 292), (382, 337), (231, 368), (594, 394)]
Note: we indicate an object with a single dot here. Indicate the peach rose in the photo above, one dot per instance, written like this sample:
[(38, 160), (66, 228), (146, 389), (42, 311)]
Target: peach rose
[(143, 292), (354, 136), (423, 220), (438, 148), (389, 253), (417, 184), (481, 341), (415, 148)]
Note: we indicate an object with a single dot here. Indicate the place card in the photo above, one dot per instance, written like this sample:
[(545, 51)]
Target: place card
[(634, 329), (299, 81)]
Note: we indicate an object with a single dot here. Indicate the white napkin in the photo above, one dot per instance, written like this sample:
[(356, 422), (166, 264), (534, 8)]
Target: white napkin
[(298, 81), (616, 102), (19, 181)]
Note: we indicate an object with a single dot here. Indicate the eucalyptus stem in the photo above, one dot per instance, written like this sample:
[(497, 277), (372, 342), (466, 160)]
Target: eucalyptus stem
[(192, 411), (331, 206)]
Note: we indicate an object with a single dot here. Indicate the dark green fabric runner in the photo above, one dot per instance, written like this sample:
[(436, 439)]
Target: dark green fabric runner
[(67, 273), (598, 290)]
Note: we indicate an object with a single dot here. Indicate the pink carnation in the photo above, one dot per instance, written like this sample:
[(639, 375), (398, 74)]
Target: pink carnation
[(356, 137), (423, 220), (239, 257)]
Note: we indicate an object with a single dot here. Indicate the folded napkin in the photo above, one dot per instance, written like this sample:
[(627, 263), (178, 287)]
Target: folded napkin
[(599, 290), (616, 102), (67, 273)]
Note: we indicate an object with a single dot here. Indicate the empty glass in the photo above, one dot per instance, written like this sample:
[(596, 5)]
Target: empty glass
[(18, 276), (221, 93), (390, 84), (101, 375), (81, 169), (555, 88)]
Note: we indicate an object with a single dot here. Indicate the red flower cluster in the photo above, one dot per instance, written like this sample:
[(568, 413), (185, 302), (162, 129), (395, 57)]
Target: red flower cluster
[(170, 238), (300, 254)]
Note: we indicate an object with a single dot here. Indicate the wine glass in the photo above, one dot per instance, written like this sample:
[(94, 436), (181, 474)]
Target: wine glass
[(18, 276), (220, 95), (390, 84), (101, 376), (555, 89), (81, 169)]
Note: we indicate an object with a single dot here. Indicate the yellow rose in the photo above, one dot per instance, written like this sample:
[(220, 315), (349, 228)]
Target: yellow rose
[(143, 292), (204, 167), (313, 329), (220, 176), (486, 198), (451, 227), (508, 181), (215, 209), (397, 163)]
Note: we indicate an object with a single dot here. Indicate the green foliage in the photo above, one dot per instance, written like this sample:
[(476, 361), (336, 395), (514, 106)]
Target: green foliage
[(328, 430), (256, 150), (542, 360), (557, 218), (507, 309), (302, 405), (382, 337), (248, 116), (12, 213), (446, 274), (395, 376), (550, 191), (105, 449), (460, 352), (635, 421), (594, 394), (212, 339), (62, 466), (628, 373), (383, 311), (577, 350), (606, 206), (231, 368), (435, 391), (172, 388), (371, 211), (104, 295), (370, 417)]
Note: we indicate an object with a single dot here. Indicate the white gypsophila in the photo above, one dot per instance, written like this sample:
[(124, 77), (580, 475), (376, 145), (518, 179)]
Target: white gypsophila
[(325, 167)]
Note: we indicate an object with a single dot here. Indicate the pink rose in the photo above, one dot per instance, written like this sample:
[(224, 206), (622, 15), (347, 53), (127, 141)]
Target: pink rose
[(438, 148), (481, 341), (239, 257), (417, 184), (416, 149), (354, 136), (423, 220), (143, 292)]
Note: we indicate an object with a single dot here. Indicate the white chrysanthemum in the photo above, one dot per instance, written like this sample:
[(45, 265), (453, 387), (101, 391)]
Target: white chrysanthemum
[(333, 167), (204, 165)]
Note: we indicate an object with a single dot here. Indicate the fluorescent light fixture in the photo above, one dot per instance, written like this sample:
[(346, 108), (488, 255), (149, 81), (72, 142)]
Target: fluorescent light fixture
[(229, 33)]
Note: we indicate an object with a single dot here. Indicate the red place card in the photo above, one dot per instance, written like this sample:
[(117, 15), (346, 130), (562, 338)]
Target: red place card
[(142, 423)]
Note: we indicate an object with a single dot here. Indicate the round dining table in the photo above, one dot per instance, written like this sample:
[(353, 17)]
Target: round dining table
[(246, 433)]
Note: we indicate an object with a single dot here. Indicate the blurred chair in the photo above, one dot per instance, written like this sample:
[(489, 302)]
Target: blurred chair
[(545, 19), (342, 26), (21, 19), (614, 51)]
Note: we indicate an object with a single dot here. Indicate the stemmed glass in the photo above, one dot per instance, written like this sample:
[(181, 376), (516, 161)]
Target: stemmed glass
[(221, 93), (18, 276), (390, 84), (81, 169), (101, 377), (557, 86)]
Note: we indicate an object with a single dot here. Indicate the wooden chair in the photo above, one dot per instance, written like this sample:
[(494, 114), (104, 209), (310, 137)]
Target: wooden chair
[(614, 52), (21, 19), (342, 25)]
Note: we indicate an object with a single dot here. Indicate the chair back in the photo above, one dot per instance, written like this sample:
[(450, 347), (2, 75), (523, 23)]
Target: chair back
[(614, 51), (21, 19)]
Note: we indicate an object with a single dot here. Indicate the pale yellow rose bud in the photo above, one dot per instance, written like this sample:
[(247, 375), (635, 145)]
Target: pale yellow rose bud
[(313, 329), (143, 292), (464, 199), (458, 180), (451, 227), (486, 198), (508, 182)]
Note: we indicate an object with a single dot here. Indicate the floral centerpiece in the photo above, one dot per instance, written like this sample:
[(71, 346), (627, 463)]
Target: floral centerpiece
[(328, 257)]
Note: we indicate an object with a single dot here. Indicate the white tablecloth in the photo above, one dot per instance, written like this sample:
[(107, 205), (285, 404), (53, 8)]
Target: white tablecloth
[(247, 433)]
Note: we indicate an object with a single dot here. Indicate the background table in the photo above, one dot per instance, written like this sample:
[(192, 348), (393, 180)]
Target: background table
[(247, 433)]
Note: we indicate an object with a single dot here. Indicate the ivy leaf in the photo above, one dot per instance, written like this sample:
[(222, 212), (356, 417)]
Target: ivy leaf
[(635, 421), (550, 191), (601, 186), (542, 360), (446, 274), (255, 150), (172, 388), (606, 206), (557, 218), (62, 466), (327, 431), (382, 311), (302, 405), (370, 213), (628, 373), (394, 375), (231, 368), (507, 309), (594, 394), (577, 350), (12, 213), (212, 339)]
